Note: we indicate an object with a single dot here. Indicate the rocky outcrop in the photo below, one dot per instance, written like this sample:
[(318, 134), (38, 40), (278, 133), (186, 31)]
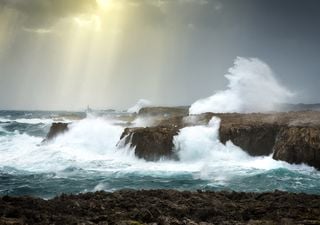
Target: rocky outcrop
[(298, 145), (293, 137), (55, 130), (163, 207), (151, 143), (256, 140)]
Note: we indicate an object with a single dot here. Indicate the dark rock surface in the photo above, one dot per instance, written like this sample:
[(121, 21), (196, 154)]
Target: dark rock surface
[(293, 137), (256, 140), (298, 145), (258, 134), (151, 143), (163, 207), (55, 130)]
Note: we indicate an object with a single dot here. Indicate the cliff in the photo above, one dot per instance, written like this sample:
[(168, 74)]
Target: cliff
[(293, 137)]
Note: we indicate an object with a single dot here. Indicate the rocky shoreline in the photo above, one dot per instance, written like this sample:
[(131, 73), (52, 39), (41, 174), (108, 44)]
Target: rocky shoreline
[(293, 137), (165, 207)]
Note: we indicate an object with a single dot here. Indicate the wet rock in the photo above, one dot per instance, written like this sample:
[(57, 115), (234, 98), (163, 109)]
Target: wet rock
[(298, 145), (256, 140), (198, 208), (293, 136), (55, 130), (151, 143)]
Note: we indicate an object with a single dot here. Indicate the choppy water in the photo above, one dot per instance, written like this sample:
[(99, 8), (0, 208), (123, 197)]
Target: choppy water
[(86, 159)]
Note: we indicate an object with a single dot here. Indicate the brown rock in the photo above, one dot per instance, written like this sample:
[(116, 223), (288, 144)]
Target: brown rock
[(156, 207), (151, 143), (294, 136), (298, 145), (55, 130), (256, 140)]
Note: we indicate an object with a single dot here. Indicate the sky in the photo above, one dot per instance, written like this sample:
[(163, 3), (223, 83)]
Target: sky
[(67, 54)]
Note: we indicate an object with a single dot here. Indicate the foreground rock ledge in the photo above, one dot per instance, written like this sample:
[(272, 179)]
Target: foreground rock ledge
[(163, 207)]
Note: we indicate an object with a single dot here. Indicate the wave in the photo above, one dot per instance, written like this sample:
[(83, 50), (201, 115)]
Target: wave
[(91, 144), (87, 157), (252, 87), (27, 121), (139, 105)]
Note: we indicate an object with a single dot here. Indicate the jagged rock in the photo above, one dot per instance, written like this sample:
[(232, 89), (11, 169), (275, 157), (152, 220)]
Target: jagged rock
[(298, 145), (294, 136), (256, 140), (151, 143), (163, 207), (55, 130)]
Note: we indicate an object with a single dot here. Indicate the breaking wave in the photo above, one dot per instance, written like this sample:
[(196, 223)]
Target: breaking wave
[(252, 88), (86, 158), (139, 105)]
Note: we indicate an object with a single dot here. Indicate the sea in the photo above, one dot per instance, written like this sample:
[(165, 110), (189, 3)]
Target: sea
[(88, 158)]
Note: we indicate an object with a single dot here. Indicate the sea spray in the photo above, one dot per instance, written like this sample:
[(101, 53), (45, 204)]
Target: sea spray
[(86, 158), (252, 88), (201, 143), (87, 142), (139, 105)]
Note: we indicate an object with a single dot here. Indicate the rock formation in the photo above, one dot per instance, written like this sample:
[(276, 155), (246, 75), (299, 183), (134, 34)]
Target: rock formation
[(55, 130), (293, 137), (163, 207), (151, 143), (298, 145)]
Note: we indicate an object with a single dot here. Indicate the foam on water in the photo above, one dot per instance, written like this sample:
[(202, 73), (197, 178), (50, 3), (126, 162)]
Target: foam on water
[(91, 144), (87, 142), (252, 88), (2, 129), (27, 121), (201, 145), (88, 153)]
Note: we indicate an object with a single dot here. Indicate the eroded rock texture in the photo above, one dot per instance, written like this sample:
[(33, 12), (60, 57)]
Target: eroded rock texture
[(163, 207), (293, 137), (151, 143), (298, 145)]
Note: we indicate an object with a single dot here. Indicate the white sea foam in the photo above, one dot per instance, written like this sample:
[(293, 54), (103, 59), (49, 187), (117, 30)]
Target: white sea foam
[(2, 129), (139, 105), (90, 144), (29, 121), (252, 88), (200, 145), (145, 121)]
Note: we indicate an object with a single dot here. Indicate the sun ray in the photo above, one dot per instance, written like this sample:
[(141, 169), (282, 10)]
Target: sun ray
[(103, 4)]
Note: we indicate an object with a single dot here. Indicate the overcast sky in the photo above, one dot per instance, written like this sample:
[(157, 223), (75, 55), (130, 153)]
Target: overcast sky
[(67, 54)]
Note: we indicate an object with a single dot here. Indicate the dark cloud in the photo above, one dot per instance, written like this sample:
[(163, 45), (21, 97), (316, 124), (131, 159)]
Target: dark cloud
[(168, 51), (44, 13)]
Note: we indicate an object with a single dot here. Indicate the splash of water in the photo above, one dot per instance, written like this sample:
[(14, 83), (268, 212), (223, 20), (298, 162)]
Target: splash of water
[(252, 88), (87, 156), (139, 105), (201, 144)]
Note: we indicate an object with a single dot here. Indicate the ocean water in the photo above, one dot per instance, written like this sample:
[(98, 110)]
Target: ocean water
[(86, 159)]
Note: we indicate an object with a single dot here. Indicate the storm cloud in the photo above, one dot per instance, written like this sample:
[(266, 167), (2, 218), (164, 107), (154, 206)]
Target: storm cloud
[(65, 54)]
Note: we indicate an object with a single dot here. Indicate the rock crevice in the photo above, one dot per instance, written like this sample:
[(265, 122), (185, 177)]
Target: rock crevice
[(293, 137)]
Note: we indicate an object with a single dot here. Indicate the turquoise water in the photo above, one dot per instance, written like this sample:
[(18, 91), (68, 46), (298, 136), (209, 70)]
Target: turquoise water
[(86, 159)]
